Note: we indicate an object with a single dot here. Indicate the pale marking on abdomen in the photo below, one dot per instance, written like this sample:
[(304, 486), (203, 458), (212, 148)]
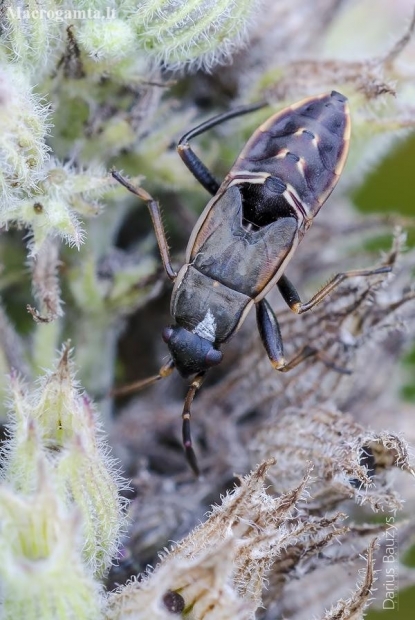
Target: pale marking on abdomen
[(207, 328)]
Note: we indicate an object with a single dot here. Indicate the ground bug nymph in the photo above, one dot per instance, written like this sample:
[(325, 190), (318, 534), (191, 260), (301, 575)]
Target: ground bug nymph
[(247, 234)]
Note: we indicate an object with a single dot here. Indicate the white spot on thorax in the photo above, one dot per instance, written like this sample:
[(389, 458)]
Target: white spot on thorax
[(207, 328)]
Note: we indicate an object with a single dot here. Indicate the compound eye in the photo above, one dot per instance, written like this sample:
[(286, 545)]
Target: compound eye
[(166, 334), (213, 357)]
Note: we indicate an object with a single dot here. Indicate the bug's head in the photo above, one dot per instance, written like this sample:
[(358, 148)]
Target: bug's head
[(191, 353)]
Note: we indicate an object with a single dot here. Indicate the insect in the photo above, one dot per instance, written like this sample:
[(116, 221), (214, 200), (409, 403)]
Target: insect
[(247, 234)]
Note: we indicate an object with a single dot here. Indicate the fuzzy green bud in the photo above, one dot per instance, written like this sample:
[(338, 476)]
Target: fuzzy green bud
[(107, 40), (23, 129), (88, 474), (47, 214), (31, 35), (58, 425), (192, 33), (52, 210), (41, 566)]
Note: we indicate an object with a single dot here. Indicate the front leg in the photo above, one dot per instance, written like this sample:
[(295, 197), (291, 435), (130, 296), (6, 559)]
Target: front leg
[(154, 209), (292, 298)]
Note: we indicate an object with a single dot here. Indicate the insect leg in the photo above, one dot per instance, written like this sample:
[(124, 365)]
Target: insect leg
[(292, 298), (271, 338), (192, 161), (187, 439), (154, 208), (137, 386), (301, 356), (306, 352), (269, 331)]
